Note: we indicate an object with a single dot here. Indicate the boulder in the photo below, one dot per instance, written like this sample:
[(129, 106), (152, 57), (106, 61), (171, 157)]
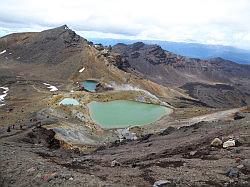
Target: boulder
[(239, 115), (240, 166), (115, 163), (229, 143), (233, 172), (161, 183), (216, 142), (192, 153)]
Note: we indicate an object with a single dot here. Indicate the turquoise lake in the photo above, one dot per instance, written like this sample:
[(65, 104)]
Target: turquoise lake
[(124, 113), (69, 101), (89, 85)]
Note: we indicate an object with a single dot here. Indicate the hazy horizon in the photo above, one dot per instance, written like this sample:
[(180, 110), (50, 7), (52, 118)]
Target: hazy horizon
[(93, 39), (216, 22)]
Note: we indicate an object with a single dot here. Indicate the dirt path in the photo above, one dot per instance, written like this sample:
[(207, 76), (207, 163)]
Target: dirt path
[(38, 90), (167, 121), (221, 115)]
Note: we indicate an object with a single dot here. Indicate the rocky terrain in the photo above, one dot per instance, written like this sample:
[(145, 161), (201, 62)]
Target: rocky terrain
[(166, 68), (175, 157), (44, 143), (217, 95)]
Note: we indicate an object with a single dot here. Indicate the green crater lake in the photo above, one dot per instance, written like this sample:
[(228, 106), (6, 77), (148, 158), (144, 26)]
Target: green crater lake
[(124, 113)]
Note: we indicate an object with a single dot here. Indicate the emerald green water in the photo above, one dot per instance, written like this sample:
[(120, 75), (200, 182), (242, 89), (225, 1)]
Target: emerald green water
[(123, 113), (89, 85)]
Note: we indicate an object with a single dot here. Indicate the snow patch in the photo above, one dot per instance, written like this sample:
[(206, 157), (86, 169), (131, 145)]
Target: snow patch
[(4, 51), (81, 70), (52, 88), (4, 94)]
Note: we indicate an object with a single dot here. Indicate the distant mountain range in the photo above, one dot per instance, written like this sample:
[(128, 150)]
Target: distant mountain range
[(216, 82), (194, 50), (58, 55)]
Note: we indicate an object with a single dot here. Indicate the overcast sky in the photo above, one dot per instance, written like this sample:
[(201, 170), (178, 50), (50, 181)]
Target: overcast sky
[(224, 22)]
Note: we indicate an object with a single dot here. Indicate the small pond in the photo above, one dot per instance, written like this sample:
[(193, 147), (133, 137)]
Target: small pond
[(124, 113), (69, 101), (89, 85)]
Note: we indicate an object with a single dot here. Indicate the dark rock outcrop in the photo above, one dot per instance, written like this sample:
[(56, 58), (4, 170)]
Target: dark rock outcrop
[(42, 136)]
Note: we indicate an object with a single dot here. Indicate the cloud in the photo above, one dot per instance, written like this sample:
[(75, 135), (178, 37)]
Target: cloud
[(205, 21)]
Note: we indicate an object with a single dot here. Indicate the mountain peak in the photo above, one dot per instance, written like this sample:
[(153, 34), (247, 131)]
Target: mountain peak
[(63, 27), (55, 43), (59, 29), (62, 32), (138, 45)]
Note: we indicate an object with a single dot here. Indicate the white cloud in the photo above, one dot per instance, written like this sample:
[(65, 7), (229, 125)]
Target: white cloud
[(205, 21)]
